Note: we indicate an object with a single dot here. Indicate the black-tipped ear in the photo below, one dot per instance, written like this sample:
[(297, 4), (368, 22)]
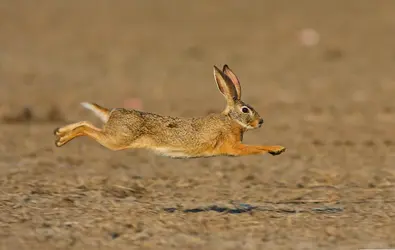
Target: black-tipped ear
[(232, 76), (225, 86)]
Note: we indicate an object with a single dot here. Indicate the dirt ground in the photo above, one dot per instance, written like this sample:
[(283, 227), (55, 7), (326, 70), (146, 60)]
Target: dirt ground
[(331, 104)]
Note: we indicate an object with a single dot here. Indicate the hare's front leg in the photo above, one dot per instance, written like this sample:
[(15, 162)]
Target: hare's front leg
[(243, 149), (84, 128)]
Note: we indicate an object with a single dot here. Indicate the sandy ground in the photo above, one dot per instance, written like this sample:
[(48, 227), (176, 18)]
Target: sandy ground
[(332, 105)]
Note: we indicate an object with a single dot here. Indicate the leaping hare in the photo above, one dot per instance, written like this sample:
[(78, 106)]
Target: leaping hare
[(211, 135)]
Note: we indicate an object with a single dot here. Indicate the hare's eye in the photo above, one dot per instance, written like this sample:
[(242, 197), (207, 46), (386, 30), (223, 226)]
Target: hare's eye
[(245, 110)]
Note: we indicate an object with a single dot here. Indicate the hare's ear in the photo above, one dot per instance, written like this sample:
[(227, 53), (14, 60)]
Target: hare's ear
[(225, 86), (232, 76)]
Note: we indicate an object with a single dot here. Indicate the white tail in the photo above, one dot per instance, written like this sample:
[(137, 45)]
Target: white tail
[(99, 111)]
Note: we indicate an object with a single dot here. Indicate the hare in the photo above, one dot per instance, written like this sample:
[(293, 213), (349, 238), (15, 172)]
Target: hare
[(176, 137)]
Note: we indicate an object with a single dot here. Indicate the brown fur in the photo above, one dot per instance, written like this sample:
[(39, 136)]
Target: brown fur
[(212, 135)]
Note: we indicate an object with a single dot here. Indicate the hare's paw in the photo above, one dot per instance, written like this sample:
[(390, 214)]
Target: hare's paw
[(60, 131), (276, 150), (61, 135), (58, 142), (56, 131), (61, 140)]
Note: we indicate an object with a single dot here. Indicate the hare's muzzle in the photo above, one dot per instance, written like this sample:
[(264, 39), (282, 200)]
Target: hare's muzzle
[(260, 122)]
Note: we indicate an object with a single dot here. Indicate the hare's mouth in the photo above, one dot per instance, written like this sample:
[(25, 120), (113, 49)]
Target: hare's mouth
[(257, 123), (248, 126)]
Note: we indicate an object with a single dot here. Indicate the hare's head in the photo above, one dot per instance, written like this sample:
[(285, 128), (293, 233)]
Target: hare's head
[(229, 86)]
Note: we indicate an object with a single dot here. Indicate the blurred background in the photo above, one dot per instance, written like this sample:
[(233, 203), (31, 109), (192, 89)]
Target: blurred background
[(321, 73)]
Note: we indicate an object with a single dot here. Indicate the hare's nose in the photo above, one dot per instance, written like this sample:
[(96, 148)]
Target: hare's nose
[(260, 122)]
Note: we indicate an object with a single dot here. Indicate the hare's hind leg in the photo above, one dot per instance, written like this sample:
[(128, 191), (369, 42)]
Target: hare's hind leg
[(66, 129), (84, 128)]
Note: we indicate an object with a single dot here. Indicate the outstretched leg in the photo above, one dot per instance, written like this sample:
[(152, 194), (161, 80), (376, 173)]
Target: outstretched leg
[(243, 149), (84, 128)]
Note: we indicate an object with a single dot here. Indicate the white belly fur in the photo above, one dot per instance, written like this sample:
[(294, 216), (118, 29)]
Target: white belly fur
[(171, 152)]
